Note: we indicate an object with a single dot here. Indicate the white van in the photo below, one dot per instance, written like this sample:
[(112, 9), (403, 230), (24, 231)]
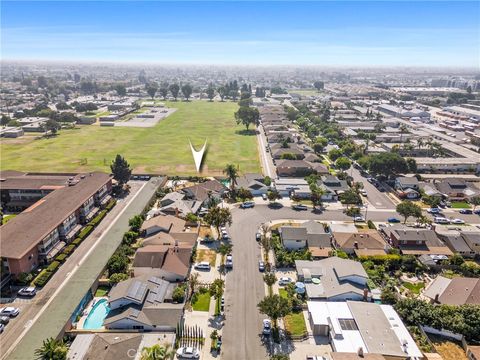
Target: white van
[(441, 220)]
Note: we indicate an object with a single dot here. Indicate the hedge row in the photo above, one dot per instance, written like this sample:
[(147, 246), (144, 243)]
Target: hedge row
[(61, 258), (42, 278), (110, 205), (85, 232), (98, 218), (69, 249)]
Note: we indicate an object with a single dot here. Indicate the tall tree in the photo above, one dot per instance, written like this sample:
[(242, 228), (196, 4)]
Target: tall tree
[(121, 170), (121, 90), (193, 282), (218, 217), (174, 89), (247, 115), (273, 195), (163, 90), (52, 349), (407, 209), (52, 126), (222, 92), (187, 91), (318, 85), (232, 174), (152, 90), (275, 307), (157, 352), (210, 92)]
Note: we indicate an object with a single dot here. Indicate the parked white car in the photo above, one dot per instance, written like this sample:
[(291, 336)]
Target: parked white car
[(247, 204), (458, 221), (188, 352), (27, 291), (441, 220), (204, 265), (284, 281), (229, 262), (10, 311)]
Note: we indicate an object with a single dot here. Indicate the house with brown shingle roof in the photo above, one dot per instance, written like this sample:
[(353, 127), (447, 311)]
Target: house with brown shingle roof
[(456, 291), (364, 243)]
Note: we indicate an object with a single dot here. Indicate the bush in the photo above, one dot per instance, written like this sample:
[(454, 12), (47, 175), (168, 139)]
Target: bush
[(117, 277), (85, 232), (96, 220), (68, 249), (129, 237), (370, 224), (61, 258), (42, 278), (77, 241), (111, 204), (53, 266), (178, 294), (25, 278)]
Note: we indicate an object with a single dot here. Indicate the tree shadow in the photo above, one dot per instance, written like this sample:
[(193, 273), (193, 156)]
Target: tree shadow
[(246, 132)]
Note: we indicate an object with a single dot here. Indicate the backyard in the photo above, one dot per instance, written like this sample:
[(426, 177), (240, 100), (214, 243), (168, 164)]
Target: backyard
[(163, 149), (202, 301)]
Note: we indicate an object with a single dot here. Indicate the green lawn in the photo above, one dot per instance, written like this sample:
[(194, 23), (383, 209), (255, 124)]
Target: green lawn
[(460, 205), (202, 303), (162, 149), (102, 291), (295, 323), (283, 293), (414, 288)]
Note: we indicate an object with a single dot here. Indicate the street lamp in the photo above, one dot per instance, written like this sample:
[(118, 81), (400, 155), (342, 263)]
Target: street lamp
[(366, 210)]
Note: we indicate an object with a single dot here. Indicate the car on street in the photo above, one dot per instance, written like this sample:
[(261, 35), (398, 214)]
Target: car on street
[(10, 311), (433, 210), (222, 303), (299, 207), (275, 205), (204, 265), (261, 266), (476, 211), (188, 352), (458, 221), (27, 291), (264, 197), (364, 192), (258, 236), (359, 218), (284, 280), (224, 234), (229, 262), (267, 327), (393, 220), (441, 220), (466, 211), (4, 320), (247, 204), (2, 327)]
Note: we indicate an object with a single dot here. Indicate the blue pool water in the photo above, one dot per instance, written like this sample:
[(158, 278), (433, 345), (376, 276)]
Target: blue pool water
[(96, 315)]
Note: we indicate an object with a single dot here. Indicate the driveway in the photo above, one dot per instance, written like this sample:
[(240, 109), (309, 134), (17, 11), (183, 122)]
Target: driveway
[(56, 302)]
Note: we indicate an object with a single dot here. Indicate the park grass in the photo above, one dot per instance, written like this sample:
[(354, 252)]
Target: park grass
[(206, 255), (162, 149), (414, 288), (203, 302), (102, 291), (295, 324), (460, 205)]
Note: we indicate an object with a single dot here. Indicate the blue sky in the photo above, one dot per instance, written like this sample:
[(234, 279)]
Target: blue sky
[(445, 33)]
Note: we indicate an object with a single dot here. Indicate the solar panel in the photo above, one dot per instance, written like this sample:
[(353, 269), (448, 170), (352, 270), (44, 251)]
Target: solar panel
[(137, 291)]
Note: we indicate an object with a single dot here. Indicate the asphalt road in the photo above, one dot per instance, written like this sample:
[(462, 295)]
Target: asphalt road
[(375, 197), (266, 158), (55, 304)]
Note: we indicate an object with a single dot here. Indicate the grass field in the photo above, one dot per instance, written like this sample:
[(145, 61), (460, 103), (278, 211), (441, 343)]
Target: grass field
[(460, 205), (202, 303), (163, 149), (414, 288)]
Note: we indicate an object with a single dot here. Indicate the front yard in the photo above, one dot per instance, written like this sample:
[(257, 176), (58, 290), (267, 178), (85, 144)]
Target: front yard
[(460, 205), (202, 301), (206, 255)]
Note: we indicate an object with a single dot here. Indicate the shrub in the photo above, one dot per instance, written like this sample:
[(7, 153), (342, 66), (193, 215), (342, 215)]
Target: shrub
[(61, 258), (77, 241), (42, 278), (25, 278), (370, 224), (111, 204), (117, 277), (53, 266), (96, 220), (178, 294), (85, 232), (129, 237), (68, 249)]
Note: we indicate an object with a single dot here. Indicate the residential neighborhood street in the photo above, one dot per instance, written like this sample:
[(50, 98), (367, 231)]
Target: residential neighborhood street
[(51, 308)]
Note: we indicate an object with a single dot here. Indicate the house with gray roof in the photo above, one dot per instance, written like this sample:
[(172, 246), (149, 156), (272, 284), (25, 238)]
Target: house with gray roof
[(255, 183), (310, 234), (332, 279)]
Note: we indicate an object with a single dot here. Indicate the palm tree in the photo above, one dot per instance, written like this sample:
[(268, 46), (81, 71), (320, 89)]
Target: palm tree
[(158, 352), (232, 175), (420, 143), (52, 349), (403, 130)]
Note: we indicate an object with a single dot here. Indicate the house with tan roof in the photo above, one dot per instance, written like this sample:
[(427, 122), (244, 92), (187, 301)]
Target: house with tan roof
[(455, 291), (364, 243)]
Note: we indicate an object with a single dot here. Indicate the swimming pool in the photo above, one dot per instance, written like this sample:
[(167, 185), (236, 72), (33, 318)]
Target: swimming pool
[(97, 314)]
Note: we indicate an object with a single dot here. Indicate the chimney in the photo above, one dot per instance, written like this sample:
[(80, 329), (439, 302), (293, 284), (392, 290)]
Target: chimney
[(436, 297)]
